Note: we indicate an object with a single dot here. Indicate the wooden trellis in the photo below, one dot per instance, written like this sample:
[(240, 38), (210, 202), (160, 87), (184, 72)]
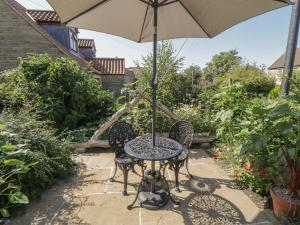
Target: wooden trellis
[(94, 141)]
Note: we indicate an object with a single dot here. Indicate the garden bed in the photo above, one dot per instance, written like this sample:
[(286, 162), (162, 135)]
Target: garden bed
[(262, 202)]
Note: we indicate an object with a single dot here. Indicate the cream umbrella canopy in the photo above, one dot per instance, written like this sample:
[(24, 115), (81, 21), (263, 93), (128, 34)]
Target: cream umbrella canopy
[(152, 20), (134, 19)]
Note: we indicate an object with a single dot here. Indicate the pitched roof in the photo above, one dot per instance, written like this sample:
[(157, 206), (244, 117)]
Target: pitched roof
[(111, 66), (22, 11), (86, 43), (279, 63), (44, 16)]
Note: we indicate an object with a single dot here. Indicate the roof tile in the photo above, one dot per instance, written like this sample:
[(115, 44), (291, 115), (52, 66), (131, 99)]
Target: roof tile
[(279, 63), (44, 16), (100, 66), (86, 43), (109, 66)]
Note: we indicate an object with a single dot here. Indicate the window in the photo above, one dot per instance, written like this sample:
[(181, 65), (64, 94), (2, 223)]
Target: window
[(73, 41)]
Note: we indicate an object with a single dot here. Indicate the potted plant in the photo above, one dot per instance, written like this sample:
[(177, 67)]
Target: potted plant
[(278, 139)]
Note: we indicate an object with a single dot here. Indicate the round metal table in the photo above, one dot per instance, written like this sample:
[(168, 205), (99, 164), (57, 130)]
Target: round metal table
[(153, 191)]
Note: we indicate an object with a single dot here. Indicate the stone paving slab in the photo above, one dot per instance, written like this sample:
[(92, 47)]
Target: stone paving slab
[(90, 198), (98, 209)]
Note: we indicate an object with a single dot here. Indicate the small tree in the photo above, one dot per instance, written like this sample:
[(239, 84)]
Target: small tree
[(220, 65), (169, 64)]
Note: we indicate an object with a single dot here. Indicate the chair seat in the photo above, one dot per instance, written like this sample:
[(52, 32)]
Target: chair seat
[(183, 156), (124, 158)]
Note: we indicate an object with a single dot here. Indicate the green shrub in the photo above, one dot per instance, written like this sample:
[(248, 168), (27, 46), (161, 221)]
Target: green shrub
[(10, 170), (38, 144), (59, 91), (201, 119), (239, 116), (253, 79), (274, 93), (140, 119), (84, 133)]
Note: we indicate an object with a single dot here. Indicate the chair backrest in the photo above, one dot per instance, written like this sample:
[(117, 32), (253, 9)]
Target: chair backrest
[(119, 134), (182, 132)]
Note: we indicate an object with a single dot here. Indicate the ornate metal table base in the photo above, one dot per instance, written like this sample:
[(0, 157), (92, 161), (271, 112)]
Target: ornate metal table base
[(153, 192), (153, 201)]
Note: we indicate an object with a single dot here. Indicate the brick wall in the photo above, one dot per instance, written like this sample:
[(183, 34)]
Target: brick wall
[(18, 37), (113, 83)]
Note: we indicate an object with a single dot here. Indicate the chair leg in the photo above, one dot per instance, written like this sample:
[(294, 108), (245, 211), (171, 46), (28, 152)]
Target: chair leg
[(133, 170), (164, 169), (160, 166), (116, 167), (125, 174), (140, 164), (176, 170), (143, 168), (187, 167)]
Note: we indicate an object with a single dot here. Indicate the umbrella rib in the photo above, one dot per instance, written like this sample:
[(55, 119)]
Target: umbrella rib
[(148, 3), (142, 30), (188, 11), (285, 1), (86, 11), (164, 3)]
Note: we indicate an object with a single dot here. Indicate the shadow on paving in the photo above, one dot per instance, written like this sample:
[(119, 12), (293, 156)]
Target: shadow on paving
[(210, 209), (204, 184), (195, 154), (200, 205), (45, 210)]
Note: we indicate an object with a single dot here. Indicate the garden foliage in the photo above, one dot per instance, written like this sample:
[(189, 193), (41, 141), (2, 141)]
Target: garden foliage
[(40, 101), (259, 138), (252, 78), (235, 101), (226, 98), (58, 90), (32, 158)]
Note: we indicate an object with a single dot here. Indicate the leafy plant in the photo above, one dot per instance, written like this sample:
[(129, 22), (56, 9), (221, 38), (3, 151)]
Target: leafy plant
[(280, 136), (140, 119), (38, 144), (220, 64), (59, 91), (10, 171), (252, 78), (200, 118)]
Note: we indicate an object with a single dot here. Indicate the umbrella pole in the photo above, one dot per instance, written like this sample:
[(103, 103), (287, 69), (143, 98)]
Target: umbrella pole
[(291, 49), (154, 79)]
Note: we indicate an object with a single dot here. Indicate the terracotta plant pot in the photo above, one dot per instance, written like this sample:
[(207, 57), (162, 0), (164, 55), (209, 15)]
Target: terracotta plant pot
[(283, 207)]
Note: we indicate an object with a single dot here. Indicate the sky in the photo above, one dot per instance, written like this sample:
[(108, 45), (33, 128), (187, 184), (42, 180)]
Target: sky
[(261, 40)]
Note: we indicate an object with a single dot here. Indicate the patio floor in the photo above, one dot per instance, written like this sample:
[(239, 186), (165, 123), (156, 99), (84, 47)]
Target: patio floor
[(91, 199)]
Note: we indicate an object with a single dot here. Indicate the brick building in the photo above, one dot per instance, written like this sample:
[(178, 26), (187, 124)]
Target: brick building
[(25, 31), (276, 69)]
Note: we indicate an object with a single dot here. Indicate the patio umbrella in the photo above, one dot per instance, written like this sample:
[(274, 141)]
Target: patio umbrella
[(153, 20)]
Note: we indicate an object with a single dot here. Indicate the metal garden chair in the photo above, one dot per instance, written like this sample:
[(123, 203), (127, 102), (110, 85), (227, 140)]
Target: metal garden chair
[(182, 132), (119, 134)]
